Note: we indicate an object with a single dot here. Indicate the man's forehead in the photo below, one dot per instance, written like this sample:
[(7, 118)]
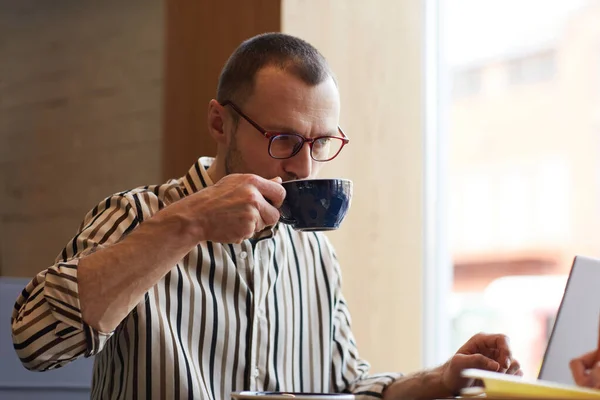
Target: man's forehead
[(277, 88), (272, 77)]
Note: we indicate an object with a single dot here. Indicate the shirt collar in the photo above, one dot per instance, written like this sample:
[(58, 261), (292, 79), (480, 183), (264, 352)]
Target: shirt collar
[(197, 176)]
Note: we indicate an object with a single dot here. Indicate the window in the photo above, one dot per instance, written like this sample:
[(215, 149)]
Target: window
[(466, 82), (531, 69), (523, 176)]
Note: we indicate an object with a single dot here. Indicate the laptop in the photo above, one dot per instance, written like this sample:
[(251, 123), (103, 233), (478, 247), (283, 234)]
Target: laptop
[(575, 330)]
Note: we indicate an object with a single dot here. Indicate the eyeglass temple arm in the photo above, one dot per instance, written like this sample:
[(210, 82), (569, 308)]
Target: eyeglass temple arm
[(344, 137), (247, 118)]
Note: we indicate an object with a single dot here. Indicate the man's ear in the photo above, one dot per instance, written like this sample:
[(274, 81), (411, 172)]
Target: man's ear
[(216, 122)]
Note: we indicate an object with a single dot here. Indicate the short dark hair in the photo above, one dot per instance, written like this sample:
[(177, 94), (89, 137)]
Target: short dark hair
[(287, 52)]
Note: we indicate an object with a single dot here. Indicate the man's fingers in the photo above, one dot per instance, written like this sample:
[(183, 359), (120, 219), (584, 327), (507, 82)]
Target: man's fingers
[(496, 347), (267, 197), (595, 375), (501, 355), (478, 361), (578, 370), (270, 189), (589, 359), (268, 213), (504, 356), (515, 368)]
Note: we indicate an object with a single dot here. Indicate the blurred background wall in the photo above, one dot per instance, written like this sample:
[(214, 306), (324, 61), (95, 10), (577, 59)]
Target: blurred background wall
[(80, 117)]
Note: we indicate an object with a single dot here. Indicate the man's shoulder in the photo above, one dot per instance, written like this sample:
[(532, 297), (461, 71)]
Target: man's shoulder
[(166, 192), (143, 199)]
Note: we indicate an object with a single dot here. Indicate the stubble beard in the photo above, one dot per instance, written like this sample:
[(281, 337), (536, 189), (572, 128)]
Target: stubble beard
[(234, 163)]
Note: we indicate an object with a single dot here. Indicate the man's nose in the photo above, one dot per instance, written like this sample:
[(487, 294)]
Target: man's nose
[(300, 165)]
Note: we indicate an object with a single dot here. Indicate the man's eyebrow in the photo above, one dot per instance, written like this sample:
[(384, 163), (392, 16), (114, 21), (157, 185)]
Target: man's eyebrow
[(285, 129)]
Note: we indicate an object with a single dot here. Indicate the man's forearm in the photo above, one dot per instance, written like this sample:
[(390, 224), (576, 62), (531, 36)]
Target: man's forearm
[(114, 279), (418, 386)]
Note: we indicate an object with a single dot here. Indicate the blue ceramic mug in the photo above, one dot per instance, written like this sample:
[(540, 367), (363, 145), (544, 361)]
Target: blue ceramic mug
[(316, 204)]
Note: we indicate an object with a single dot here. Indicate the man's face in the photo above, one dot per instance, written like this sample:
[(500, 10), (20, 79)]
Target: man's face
[(282, 103)]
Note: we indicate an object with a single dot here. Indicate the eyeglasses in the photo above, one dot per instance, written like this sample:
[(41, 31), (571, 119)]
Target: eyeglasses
[(284, 145)]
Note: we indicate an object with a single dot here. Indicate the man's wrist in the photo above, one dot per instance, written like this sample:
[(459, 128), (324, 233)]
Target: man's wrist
[(419, 386), (178, 221)]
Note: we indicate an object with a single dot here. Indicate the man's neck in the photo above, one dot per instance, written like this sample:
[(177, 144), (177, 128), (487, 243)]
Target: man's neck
[(215, 171)]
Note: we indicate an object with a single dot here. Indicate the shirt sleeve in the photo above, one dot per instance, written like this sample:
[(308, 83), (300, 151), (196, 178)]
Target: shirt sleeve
[(350, 373), (47, 327)]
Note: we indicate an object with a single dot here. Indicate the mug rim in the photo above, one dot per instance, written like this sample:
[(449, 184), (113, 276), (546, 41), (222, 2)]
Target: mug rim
[(318, 179)]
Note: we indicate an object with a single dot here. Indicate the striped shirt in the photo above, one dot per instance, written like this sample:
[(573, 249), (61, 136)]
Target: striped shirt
[(264, 315)]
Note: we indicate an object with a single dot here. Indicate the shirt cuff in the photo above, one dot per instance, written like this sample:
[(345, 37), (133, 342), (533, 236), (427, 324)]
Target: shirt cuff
[(373, 386), (61, 291)]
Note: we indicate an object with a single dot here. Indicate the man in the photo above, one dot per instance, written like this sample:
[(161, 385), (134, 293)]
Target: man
[(192, 289)]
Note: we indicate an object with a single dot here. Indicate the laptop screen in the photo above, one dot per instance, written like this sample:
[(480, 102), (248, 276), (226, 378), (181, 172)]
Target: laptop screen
[(575, 330)]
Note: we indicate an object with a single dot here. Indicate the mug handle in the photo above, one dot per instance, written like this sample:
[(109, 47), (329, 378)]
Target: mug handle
[(289, 221)]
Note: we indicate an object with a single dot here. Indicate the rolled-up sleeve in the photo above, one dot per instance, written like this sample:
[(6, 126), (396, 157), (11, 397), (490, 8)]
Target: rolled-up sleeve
[(47, 326)]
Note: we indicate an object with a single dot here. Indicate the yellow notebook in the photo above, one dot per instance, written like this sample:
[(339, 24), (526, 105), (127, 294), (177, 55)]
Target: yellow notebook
[(513, 387)]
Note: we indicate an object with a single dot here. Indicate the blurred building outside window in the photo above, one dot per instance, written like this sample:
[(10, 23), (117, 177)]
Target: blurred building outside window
[(523, 126)]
